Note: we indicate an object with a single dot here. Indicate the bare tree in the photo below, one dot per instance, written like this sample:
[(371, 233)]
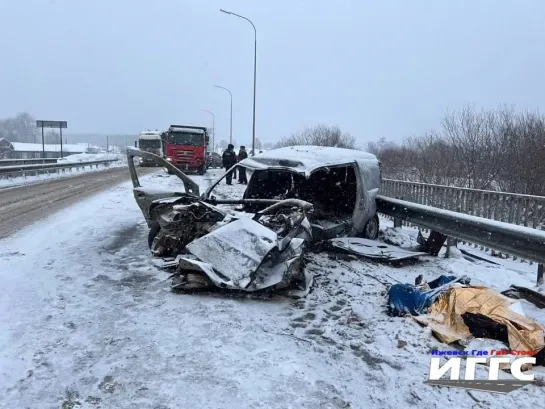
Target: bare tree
[(21, 128), (320, 135), (493, 149), (379, 147), (524, 166), (478, 144)]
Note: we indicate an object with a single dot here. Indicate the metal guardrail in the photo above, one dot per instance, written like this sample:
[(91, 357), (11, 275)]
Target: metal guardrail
[(13, 162), (522, 210), (522, 241), (30, 170), (512, 208)]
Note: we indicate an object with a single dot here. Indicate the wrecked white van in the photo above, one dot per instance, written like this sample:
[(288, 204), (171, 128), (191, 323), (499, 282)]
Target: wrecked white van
[(341, 184), (295, 196)]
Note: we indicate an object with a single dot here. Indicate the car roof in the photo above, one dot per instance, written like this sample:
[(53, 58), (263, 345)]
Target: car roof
[(306, 159)]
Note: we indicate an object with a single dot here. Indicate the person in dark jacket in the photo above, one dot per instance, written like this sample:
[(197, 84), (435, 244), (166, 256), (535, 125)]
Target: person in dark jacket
[(242, 154), (229, 160)]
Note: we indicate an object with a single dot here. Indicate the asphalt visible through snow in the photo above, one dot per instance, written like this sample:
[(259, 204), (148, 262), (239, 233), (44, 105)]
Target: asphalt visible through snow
[(23, 205)]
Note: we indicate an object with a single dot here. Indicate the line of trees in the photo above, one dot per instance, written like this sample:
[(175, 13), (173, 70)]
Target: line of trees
[(320, 135), (22, 128), (488, 149)]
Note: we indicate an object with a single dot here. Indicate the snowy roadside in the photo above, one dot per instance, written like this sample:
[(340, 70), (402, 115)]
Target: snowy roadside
[(29, 180), (90, 157), (87, 321)]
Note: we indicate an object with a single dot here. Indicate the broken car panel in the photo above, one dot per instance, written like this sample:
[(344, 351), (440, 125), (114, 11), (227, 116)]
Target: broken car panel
[(295, 195), (145, 196)]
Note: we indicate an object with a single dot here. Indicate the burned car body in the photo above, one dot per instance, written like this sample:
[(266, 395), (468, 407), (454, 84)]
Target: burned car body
[(325, 193)]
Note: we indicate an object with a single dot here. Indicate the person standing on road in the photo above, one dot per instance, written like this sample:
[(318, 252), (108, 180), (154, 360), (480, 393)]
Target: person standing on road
[(229, 160), (242, 154)]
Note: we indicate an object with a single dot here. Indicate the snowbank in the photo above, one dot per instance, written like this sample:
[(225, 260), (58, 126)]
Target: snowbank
[(89, 157)]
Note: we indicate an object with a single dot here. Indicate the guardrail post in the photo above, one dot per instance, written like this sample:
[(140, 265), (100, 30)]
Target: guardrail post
[(540, 274), (397, 221), (451, 242)]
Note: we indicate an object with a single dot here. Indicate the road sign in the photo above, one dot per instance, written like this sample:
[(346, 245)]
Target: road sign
[(52, 124)]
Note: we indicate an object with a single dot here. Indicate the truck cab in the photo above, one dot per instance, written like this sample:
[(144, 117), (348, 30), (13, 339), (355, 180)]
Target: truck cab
[(150, 141), (186, 146)]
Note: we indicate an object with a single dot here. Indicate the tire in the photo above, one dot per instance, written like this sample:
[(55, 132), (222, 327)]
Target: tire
[(371, 229), (202, 170), (153, 231)]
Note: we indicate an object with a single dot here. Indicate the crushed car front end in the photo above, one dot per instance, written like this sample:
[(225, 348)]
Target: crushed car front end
[(260, 245)]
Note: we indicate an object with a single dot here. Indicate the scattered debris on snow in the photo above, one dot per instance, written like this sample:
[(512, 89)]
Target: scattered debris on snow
[(374, 249)]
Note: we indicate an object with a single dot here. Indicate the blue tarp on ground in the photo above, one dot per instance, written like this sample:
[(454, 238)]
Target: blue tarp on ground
[(409, 299)]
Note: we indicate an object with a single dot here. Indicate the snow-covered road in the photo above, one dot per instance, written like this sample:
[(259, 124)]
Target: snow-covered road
[(21, 206), (87, 320), (70, 173)]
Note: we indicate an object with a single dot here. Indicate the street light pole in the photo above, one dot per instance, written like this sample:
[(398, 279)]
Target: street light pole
[(213, 129), (255, 68), (231, 125)]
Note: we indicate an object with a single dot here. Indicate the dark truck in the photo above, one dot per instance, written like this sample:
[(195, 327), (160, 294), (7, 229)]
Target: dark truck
[(185, 147), (213, 160)]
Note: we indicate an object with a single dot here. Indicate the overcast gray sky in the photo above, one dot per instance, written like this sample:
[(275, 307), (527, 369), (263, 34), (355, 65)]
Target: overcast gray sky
[(376, 68)]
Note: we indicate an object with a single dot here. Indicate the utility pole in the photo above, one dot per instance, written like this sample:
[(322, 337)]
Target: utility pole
[(43, 144), (60, 130)]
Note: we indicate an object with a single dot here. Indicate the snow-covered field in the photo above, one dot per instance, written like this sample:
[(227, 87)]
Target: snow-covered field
[(19, 181), (87, 320)]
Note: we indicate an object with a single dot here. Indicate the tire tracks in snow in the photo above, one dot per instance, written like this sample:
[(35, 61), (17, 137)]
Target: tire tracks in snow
[(24, 205)]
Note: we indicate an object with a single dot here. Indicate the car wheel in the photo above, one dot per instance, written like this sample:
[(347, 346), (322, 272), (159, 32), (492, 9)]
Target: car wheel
[(153, 231), (371, 229)]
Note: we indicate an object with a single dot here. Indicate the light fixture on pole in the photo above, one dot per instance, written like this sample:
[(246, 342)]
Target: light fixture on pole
[(255, 68), (231, 123), (213, 129)]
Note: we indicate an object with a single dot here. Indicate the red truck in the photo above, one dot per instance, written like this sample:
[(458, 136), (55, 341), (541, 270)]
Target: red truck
[(185, 147)]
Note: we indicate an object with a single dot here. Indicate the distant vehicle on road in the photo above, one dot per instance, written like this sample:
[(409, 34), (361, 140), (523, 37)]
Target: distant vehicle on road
[(150, 141), (186, 146), (213, 160)]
